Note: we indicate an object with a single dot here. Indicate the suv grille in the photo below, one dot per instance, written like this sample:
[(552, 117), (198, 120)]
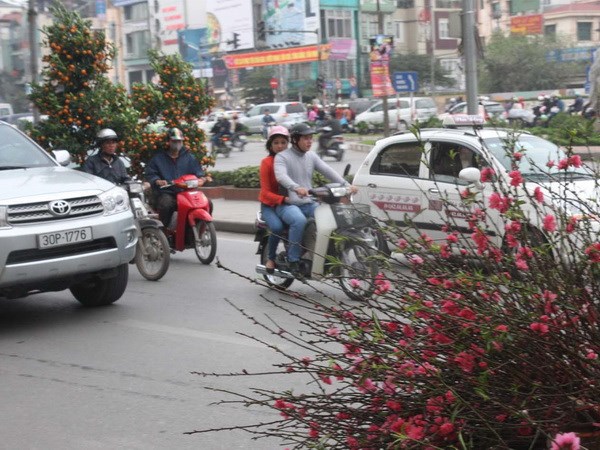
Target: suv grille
[(41, 212)]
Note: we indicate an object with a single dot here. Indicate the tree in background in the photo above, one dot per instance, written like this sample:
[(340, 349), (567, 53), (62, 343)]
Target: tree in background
[(422, 65), (257, 87), (76, 94), (176, 100), (518, 63)]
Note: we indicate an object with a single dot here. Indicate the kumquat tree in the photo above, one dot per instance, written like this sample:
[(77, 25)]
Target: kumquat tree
[(177, 99), (76, 98), (465, 344)]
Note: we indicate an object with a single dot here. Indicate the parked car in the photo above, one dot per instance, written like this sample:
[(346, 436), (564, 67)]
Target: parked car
[(488, 109), (417, 181), (359, 105), (60, 228), (400, 113), (284, 113)]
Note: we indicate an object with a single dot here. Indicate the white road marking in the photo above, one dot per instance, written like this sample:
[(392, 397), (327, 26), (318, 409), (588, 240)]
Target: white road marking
[(188, 332)]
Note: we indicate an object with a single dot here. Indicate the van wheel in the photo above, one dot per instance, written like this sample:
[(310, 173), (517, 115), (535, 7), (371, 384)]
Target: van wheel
[(100, 291)]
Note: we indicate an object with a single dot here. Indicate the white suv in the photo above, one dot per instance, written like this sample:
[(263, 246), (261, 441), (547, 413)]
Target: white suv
[(400, 113), (60, 228), (284, 113), (417, 182)]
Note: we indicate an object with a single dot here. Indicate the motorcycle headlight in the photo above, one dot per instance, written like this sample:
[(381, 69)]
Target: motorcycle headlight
[(115, 201), (135, 188), (339, 191), (191, 184)]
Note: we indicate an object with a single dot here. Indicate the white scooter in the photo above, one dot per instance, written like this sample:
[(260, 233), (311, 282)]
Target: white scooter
[(339, 232)]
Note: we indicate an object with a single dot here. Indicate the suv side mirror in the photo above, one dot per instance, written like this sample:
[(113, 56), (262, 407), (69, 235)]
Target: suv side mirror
[(63, 157), (472, 175)]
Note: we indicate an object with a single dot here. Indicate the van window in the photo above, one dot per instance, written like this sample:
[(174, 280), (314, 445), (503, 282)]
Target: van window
[(423, 103), (272, 109), (253, 111), (398, 159), (294, 108)]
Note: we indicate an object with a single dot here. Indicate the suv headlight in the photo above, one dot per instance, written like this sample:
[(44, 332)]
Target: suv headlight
[(114, 201), (4, 217)]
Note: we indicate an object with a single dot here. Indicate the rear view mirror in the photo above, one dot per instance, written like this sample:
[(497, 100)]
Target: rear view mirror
[(63, 157)]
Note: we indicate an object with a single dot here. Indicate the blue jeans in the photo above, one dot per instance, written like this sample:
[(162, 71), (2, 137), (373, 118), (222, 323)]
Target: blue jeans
[(295, 216), (276, 227)]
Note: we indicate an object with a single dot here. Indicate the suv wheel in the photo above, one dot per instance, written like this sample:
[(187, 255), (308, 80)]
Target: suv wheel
[(99, 291)]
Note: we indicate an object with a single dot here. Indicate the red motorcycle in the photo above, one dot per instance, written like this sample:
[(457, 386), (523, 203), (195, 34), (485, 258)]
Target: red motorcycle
[(192, 224)]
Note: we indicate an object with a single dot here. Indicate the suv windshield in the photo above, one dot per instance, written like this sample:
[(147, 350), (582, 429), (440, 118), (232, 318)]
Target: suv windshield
[(537, 153), (17, 151)]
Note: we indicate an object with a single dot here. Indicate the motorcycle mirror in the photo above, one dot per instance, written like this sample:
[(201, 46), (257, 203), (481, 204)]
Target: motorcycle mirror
[(347, 170)]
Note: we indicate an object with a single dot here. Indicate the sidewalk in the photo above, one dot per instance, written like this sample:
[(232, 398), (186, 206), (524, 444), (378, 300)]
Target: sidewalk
[(235, 216)]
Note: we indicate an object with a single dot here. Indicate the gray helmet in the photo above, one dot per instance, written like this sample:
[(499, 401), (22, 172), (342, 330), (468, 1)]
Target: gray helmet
[(301, 129), (106, 134)]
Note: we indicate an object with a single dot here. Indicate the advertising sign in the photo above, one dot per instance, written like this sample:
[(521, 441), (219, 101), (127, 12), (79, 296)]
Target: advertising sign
[(342, 49), (291, 23), (275, 57), (380, 79), (533, 24), (193, 45), (226, 17), (520, 6), (381, 47)]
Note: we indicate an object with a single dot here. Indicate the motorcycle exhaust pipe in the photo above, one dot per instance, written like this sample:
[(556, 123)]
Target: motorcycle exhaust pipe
[(262, 270)]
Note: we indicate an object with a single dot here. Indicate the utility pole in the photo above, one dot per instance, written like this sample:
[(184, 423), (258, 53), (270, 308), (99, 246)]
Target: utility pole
[(468, 35), (32, 23), (386, 117)]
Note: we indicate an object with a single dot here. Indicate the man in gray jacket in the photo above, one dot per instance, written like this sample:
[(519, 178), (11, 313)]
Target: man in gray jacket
[(294, 168)]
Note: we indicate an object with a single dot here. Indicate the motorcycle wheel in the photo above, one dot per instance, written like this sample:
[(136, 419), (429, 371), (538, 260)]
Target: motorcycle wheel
[(205, 241), (153, 254), (357, 271), (273, 281), (340, 155)]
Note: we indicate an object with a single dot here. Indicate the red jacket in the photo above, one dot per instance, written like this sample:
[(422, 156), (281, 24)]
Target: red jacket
[(269, 188)]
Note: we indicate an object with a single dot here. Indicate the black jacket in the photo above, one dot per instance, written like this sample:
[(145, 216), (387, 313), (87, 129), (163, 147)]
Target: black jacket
[(114, 171)]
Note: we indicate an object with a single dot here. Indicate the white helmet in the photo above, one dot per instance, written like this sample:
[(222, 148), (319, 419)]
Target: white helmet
[(106, 134)]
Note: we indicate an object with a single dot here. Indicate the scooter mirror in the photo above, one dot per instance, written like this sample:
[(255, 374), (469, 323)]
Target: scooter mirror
[(347, 170)]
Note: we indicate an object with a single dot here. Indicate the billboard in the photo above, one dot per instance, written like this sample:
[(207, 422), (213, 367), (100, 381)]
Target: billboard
[(277, 57), (229, 19), (521, 6), (193, 45), (532, 24), (291, 23)]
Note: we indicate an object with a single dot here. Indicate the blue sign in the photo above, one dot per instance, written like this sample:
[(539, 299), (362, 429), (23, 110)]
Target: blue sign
[(570, 54), (329, 85), (405, 81)]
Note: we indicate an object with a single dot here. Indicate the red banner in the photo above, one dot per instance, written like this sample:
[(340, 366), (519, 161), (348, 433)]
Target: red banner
[(274, 57), (380, 79), (532, 24)]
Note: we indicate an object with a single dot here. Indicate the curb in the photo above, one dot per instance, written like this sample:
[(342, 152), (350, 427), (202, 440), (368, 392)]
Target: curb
[(231, 226)]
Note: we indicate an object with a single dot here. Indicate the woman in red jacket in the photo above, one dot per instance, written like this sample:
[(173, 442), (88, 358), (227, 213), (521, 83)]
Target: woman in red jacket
[(269, 196)]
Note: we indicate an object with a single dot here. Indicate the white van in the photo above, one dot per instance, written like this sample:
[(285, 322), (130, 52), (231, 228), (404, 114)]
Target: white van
[(399, 112)]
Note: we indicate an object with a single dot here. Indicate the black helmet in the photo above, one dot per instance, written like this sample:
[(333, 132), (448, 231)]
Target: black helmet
[(301, 129), (106, 134)]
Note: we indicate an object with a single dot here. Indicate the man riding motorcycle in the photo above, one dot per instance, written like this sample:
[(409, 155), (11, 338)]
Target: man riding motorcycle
[(175, 161), (106, 164)]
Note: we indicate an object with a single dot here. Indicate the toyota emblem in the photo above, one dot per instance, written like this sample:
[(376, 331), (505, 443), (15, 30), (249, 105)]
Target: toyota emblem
[(60, 207)]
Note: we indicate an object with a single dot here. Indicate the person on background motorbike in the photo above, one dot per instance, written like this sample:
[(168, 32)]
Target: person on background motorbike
[(168, 165), (336, 128), (294, 168), (267, 120), (577, 106), (220, 128), (105, 163), (270, 196)]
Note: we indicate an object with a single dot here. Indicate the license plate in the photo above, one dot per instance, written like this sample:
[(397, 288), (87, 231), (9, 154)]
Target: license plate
[(64, 237)]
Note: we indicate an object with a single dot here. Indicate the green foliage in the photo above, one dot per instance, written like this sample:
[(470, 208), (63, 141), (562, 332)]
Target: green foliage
[(75, 93), (422, 65), (256, 86), (247, 177), (518, 63), (176, 100), (222, 178)]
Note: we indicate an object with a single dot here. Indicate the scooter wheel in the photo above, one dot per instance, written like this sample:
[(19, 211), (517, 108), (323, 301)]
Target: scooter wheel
[(205, 241), (357, 270), (153, 254), (272, 280)]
